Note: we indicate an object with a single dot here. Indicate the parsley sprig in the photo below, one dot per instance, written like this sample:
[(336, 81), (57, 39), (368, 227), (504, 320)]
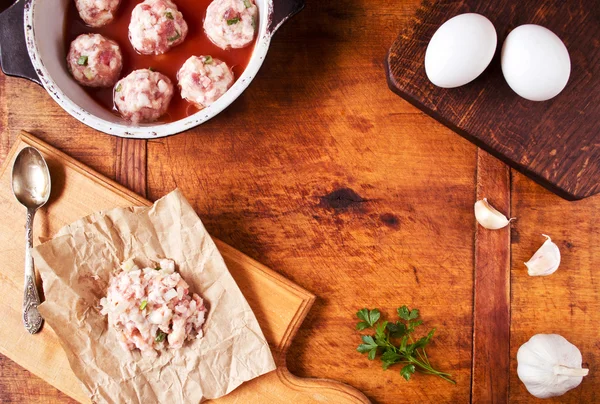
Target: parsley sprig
[(395, 342)]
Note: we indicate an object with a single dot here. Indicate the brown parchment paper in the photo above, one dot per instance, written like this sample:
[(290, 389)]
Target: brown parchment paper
[(76, 266)]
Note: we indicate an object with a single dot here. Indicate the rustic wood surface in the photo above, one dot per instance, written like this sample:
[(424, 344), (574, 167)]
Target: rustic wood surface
[(319, 171), (280, 306), (491, 295), (556, 141)]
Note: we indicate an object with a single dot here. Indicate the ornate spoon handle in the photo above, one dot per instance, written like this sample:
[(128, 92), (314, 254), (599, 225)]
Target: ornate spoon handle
[(31, 316)]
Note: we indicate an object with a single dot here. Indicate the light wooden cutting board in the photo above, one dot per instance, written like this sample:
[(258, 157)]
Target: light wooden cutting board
[(77, 191)]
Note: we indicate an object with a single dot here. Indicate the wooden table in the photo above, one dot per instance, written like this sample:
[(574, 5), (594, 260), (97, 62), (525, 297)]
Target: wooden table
[(321, 173)]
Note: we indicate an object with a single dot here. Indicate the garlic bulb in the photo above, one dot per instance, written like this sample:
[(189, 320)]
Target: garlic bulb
[(549, 365), (546, 259), (488, 217)]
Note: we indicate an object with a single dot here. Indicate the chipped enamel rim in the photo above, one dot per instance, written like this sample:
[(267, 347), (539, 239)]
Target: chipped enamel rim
[(150, 131)]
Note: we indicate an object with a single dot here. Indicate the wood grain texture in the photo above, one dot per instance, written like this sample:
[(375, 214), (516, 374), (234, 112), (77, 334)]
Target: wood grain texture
[(279, 305), (555, 142), (30, 108), (21, 386), (130, 164), (491, 311), (319, 171), (566, 302)]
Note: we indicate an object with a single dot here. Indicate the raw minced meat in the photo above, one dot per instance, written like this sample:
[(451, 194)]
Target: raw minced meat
[(152, 308), (143, 96), (203, 79), (97, 13), (95, 61), (231, 23), (156, 26)]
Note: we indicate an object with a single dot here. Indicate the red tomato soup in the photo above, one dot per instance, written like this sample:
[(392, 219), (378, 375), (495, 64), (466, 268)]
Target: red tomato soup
[(196, 43)]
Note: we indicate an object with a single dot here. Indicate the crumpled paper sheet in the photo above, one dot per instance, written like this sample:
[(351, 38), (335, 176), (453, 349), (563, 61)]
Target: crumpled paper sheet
[(76, 266)]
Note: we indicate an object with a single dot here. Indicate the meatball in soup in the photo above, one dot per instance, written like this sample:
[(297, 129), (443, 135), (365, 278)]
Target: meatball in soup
[(156, 26), (143, 96), (95, 61)]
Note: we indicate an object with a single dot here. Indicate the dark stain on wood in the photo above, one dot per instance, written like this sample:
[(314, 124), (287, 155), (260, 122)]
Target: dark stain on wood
[(416, 273), (359, 123), (390, 220), (514, 236), (553, 142), (341, 199)]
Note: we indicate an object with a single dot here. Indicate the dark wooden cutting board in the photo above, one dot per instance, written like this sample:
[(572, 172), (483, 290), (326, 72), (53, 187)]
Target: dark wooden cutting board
[(556, 142)]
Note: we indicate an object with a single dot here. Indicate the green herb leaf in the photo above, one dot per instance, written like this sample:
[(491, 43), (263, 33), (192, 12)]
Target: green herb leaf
[(403, 343), (407, 371), (391, 341), (174, 37), (396, 329), (372, 354), (151, 68), (390, 358), (363, 315), (207, 60), (234, 20), (119, 88), (367, 339), (362, 348), (82, 61), (160, 336), (380, 335), (169, 15), (367, 345), (143, 305), (368, 316), (421, 342), (247, 3), (374, 315), (403, 313), (157, 268), (253, 24), (362, 325), (414, 324)]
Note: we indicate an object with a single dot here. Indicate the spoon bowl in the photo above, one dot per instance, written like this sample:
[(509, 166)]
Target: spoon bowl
[(31, 179), (31, 187)]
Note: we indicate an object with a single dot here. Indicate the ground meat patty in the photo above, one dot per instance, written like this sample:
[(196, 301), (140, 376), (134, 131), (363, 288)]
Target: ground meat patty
[(202, 80), (97, 13), (95, 61), (156, 26), (231, 23), (143, 96)]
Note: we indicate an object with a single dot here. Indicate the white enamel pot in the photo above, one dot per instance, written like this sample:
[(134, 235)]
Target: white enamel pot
[(31, 38)]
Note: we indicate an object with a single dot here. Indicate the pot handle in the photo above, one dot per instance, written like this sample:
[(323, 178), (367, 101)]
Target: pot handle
[(14, 59), (282, 11)]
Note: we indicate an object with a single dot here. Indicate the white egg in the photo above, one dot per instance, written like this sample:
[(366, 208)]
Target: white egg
[(535, 62), (460, 50)]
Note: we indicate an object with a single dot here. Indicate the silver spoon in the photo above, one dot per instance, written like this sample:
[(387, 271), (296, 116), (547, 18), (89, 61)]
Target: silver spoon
[(31, 186)]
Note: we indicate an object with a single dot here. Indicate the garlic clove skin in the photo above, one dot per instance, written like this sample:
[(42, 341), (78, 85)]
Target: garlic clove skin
[(488, 217), (549, 365), (546, 259)]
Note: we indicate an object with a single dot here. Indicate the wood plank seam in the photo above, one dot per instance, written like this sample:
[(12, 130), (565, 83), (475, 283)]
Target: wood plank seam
[(510, 290), (491, 291), (475, 194), (131, 164), (338, 392)]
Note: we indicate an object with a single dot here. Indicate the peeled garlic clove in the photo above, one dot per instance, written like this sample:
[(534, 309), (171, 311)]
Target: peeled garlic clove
[(546, 259), (549, 365), (488, 217)]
